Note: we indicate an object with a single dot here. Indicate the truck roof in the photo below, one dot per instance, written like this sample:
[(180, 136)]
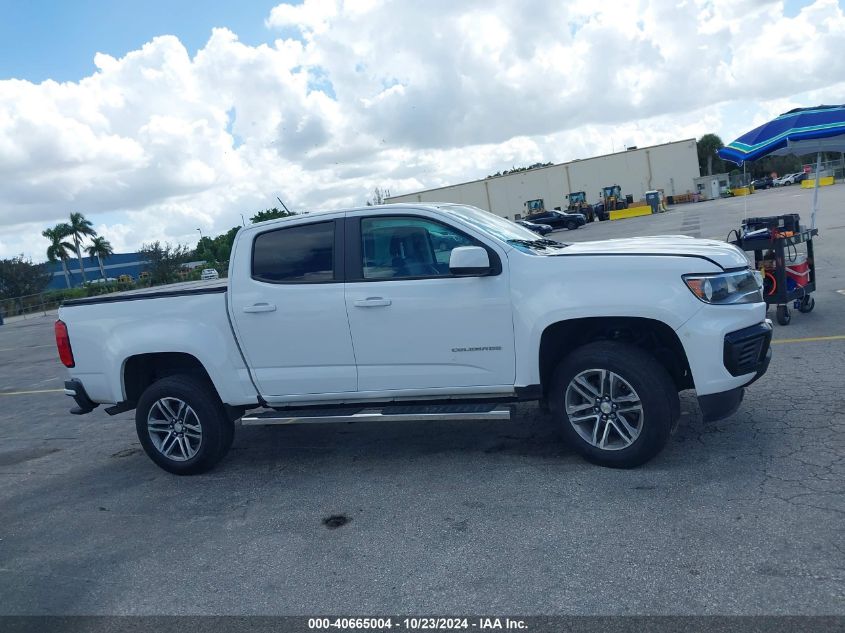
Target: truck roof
[(332, 212)]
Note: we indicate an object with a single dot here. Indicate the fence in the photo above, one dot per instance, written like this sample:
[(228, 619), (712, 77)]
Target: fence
[(835, 168), (30, 305), (41, 304)]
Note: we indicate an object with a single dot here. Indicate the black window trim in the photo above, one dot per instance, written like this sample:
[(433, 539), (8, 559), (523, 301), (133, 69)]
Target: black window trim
[(355, 263), (338, 272)]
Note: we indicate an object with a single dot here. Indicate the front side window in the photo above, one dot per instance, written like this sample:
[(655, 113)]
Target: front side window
[(400, 247), (299, 254)]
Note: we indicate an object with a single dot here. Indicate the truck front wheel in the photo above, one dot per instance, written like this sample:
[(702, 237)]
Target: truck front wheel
[(182, 425), (615, 403)]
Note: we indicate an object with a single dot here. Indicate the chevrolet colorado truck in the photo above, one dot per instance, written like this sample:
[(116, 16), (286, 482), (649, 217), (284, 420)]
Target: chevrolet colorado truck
[(421, 312)]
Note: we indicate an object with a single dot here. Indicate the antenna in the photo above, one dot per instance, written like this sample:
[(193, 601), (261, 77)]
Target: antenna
[(283, 204)]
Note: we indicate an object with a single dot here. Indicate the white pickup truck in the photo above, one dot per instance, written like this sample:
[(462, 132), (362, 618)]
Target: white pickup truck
[(415, 312)]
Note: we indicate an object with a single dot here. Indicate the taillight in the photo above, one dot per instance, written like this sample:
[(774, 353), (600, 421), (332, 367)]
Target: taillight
[(63, 343)]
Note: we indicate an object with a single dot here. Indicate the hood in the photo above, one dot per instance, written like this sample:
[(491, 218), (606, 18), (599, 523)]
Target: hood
[(724, 254)]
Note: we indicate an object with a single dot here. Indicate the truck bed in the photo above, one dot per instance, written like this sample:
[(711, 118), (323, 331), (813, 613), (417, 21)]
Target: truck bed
[(155, 292), (189, 318)]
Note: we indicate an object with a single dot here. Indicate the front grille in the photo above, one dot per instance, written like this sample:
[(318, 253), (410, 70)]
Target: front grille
[(745, 350)]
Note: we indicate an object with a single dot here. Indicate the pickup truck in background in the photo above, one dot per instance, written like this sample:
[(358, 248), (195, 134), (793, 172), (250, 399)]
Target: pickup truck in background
[(419, 312)]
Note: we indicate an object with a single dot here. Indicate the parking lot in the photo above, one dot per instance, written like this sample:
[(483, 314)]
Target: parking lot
[(742, 516)]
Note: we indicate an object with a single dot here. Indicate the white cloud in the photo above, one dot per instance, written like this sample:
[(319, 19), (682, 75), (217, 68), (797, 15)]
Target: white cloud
[(401, 95)]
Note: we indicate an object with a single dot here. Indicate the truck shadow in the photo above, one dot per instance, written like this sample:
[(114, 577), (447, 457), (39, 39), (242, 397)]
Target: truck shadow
[(530, 433)]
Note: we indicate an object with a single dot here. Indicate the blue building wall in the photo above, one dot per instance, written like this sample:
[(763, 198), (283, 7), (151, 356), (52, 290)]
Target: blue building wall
[(115, 265)]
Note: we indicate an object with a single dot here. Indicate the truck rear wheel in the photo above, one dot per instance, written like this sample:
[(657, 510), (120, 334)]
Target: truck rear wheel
[(182, 425), (616, 403)]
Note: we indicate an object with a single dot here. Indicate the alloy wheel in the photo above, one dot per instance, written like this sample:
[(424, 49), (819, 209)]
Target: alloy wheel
[(175, 429), (604, 409)]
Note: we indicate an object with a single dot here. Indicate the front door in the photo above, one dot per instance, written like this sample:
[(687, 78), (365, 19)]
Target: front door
[(290, 315), (416, 326)]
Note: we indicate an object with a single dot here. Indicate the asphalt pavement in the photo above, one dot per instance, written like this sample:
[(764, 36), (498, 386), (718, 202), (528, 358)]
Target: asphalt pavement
[(743, 516)]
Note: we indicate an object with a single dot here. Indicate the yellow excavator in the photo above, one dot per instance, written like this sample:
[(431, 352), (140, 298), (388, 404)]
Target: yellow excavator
[(611, 200), (578, 204)]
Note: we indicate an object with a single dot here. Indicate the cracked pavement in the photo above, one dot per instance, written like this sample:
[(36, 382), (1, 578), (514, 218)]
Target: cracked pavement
[(742, 516)]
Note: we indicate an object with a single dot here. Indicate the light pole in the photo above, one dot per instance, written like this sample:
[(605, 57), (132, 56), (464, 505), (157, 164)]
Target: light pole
[(200, 230), (242, 220)]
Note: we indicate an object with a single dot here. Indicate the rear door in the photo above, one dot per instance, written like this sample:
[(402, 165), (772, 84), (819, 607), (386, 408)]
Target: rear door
[(289, 312), (414, 325)]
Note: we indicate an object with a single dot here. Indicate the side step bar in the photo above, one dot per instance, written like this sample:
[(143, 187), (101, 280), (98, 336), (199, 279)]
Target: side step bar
[(392, 412)]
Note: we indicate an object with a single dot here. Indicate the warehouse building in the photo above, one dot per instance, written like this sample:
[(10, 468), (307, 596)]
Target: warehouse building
[(671, 167), (115, 265)]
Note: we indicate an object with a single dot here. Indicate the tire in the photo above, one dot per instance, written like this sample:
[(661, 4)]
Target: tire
[(807, 304), (201, 442), (783, 315), (571, 225), (637, 375)]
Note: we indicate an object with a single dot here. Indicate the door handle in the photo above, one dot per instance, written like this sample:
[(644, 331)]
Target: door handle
[(260, 307), (372, 302)]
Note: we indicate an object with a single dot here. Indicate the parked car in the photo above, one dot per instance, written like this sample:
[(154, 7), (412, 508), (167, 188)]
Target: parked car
[(101, 280), (762, 183), (542, 229), (354, 315), (558, 219), (791, 179), (209, 273)]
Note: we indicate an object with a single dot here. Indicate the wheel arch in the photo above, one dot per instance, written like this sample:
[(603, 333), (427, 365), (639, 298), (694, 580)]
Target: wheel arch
[(655, 337), (141, 370)]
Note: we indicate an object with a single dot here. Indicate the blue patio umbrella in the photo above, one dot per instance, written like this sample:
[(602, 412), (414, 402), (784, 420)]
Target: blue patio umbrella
[(800, 131)]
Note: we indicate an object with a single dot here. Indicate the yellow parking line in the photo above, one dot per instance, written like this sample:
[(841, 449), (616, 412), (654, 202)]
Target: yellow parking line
[(24, 393), (810, 339)]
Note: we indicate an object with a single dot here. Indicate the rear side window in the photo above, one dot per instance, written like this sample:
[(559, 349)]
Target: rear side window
[(299, 254)]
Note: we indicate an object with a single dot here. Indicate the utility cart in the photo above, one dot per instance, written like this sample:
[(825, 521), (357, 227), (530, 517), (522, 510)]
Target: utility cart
[(788, 267)]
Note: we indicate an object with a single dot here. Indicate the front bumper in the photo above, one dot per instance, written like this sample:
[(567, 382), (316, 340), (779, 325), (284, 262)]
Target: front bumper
[(745, 351), (718, 406)]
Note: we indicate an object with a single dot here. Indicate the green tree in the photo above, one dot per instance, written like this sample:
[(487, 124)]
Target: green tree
[(379, 196), (216, 250), (708, 160), (79, 229), (59, 249), (270, 214), (19, 277), (101, 249), (164, 262), (514, 170)]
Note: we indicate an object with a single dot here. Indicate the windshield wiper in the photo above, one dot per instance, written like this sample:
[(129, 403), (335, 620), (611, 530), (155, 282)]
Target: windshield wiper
[(552, 243), (540, 243)]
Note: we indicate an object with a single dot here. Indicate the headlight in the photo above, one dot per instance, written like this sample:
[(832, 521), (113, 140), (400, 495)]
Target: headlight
[(742, 286)]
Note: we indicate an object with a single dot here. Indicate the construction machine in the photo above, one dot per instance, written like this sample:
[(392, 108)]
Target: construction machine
[(611, 200), (578, 204)]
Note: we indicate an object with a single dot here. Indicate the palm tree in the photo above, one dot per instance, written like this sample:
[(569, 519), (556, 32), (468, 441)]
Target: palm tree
[(59, 250), (79, 228), (101, 249)]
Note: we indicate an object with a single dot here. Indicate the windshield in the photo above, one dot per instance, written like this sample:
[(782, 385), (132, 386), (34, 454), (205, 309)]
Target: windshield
[(491, 223)]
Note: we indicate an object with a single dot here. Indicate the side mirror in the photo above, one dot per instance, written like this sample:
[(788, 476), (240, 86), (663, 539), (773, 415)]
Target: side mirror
[(468, 261)]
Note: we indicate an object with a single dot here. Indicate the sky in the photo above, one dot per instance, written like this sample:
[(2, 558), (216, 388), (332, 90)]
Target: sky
[(156, 118)]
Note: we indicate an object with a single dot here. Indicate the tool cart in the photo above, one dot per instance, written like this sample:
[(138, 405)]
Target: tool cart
[(783, 253)]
